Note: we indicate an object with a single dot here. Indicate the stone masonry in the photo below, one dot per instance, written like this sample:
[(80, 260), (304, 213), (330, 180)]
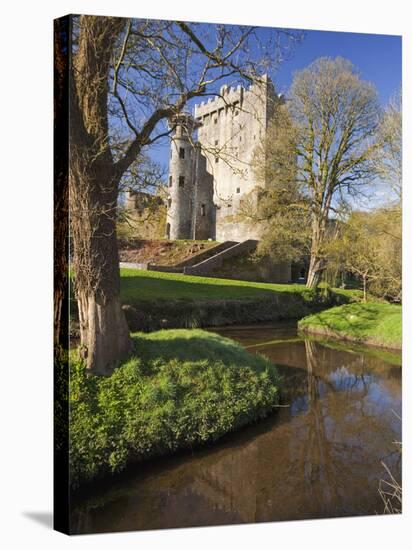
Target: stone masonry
[(210, 176)]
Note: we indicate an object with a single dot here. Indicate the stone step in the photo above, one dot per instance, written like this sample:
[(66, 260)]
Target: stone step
[(207, 266)]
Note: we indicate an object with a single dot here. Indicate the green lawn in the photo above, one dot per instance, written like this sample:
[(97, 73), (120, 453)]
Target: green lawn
[(180, 389), (375, 323), (138, 285)]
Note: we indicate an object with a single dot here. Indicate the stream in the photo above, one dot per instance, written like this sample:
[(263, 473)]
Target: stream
[(319, 455)]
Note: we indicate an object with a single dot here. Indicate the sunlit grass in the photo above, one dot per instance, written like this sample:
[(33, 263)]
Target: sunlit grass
[(376, 323), (138, 285)]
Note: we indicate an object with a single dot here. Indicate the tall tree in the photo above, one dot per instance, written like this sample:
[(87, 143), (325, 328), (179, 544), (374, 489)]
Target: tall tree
[(127, 78), (322, 142), (388, 161)]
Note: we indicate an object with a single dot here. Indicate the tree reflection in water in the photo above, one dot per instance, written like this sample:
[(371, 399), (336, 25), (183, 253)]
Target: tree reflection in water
[(318, 457)]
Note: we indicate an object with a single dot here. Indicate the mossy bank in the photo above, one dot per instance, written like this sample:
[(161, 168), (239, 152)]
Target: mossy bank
[(372, 323), (182, 389)]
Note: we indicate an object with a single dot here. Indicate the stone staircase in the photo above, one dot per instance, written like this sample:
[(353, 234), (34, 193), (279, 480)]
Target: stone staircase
[(206, 254), (202, 263), (207, 266)]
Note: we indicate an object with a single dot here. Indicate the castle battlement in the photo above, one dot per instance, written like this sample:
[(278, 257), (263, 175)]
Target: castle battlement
[(210, 178), (229, 97)]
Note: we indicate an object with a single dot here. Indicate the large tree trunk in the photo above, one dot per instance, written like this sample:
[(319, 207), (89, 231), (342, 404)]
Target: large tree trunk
[(316, 262), (314, 271), (94, 182), (104, 333)]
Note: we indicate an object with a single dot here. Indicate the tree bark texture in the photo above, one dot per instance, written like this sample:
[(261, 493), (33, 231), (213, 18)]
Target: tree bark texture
[(316, 262), (94, 181)]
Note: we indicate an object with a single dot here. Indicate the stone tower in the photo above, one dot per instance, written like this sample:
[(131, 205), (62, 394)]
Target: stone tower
[(190, 208), (180, 200)]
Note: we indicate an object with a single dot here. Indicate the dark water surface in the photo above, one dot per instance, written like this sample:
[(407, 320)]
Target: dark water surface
[(318, 456)]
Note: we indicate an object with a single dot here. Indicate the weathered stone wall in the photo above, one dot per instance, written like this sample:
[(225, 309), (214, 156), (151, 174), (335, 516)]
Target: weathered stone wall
[(204, 210), (230, 128)]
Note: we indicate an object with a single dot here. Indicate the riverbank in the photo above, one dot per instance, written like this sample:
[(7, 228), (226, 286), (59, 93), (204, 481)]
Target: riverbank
[(154, 300), (372, 323), (181, 389)]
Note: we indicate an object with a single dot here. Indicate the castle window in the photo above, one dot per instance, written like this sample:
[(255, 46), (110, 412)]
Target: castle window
[(203, 210), (229, 206), (240, 138), (181, 181), (216, 142), (216, 160), (215, 120), (238, 190), (170, 181), (169, 203), (181, 153)]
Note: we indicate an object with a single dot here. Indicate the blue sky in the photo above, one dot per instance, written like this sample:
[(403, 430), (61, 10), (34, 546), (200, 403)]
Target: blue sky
[(378, 58)]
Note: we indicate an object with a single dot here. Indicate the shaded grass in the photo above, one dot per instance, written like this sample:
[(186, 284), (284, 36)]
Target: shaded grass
[(375, 323), (181, 388)]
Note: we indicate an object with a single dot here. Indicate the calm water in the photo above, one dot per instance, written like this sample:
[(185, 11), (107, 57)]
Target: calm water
[(318, 456)]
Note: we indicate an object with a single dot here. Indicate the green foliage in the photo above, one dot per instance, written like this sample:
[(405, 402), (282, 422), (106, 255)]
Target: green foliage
[(187, 387), (376, 323), (369, 245)]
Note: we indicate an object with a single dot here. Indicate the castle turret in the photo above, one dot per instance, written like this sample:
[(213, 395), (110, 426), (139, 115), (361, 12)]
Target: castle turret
[(179, 205)]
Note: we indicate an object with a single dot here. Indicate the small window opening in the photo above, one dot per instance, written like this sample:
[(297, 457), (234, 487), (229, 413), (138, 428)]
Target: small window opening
[(181, 153), (181, 181), (170, 181), (203, 210), (169, 203), (238, 190)]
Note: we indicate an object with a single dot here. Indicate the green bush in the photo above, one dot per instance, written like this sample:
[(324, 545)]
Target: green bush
[(161, 402)]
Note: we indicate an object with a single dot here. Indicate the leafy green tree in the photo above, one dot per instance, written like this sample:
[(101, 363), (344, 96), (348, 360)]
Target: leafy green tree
[(319, 149)]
